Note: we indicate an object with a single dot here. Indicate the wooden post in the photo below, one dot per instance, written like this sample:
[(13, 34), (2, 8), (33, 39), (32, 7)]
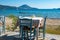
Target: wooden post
[(44, 28), (3, 23)]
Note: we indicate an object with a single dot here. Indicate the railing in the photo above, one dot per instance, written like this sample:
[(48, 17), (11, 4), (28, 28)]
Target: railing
[(2, 24)]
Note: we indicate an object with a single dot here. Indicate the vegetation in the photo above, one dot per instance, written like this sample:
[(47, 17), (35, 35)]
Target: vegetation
[(58, 28), (13, 22), (53, 31)]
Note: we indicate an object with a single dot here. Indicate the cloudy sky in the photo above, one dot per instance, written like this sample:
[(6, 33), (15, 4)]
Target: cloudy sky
[(42, 4)]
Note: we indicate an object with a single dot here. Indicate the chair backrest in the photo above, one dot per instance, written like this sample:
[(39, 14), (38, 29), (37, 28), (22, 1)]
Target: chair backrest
[(26, 22)]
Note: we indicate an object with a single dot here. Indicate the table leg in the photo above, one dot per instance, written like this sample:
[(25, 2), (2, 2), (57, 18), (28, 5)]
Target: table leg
[(37, 33)]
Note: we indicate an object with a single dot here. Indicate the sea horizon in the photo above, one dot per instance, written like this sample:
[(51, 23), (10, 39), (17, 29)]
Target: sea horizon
[(27, 10)]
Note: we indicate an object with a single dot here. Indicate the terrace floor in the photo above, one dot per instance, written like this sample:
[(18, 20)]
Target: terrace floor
[(15, 36)]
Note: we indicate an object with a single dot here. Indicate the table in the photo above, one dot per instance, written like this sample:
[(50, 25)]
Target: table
[(35, 20)]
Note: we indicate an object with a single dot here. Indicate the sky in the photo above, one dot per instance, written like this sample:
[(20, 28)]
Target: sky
[(41, 4)]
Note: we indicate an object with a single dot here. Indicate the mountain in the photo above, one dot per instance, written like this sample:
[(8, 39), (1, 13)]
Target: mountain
[(23, 7), (7, 7), (58, 8), (26, 7)]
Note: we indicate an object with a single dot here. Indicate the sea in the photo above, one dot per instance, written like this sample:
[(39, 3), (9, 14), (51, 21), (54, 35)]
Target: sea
[(50, 13)]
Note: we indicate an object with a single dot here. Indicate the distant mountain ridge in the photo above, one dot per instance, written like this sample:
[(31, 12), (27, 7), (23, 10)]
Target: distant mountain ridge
[(20, 7), (7, 7)]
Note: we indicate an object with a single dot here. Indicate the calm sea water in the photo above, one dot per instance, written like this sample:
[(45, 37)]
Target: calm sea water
[(50, 13)]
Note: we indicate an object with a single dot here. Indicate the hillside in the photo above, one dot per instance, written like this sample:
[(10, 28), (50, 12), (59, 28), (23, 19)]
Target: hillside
[(4, 7)]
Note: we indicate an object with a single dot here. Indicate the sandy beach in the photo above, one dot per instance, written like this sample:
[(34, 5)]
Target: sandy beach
[(48, 21)]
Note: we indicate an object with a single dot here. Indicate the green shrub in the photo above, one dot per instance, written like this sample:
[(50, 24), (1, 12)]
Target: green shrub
[(13, 21)]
